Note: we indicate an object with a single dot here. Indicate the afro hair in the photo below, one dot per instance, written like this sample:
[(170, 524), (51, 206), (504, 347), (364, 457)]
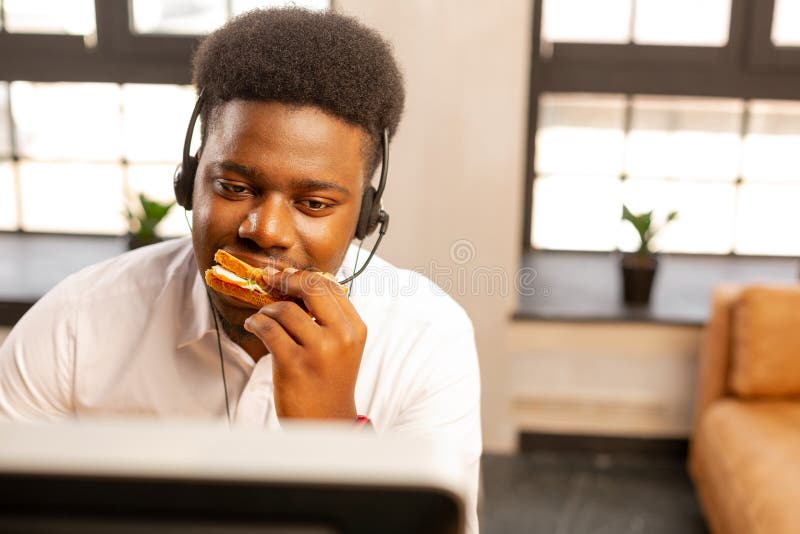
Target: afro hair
[(301, 57)]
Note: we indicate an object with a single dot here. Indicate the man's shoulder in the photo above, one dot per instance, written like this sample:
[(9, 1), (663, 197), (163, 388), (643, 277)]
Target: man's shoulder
[(409, 294), (136, 271)]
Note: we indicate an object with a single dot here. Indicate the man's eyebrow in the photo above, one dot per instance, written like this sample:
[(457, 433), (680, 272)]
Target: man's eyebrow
[(238, 168), (305, 184), (310, 184)]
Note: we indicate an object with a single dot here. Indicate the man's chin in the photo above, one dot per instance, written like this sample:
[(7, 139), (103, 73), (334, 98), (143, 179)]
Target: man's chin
[(233, 305), (232, 314)]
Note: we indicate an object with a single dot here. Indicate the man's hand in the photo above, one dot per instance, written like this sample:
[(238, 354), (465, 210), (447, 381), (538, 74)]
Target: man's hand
[(315, 360)]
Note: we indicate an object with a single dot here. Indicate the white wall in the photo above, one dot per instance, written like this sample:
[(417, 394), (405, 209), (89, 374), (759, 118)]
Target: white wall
[(458, 160), (457, 174)]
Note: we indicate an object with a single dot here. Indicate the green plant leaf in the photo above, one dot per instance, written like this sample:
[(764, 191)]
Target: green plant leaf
[(144, 223), (643, 224), (627, 215), (154, 211)]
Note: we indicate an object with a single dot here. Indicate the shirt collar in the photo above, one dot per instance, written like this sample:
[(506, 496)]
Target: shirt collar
[(197, 319)]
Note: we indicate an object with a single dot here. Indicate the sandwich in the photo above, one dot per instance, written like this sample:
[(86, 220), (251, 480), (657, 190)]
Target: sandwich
[(240, 280)]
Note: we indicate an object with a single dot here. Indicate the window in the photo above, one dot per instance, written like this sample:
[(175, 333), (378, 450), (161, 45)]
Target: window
[(786, 23), (655, 108), (94, 103), (679, 22)]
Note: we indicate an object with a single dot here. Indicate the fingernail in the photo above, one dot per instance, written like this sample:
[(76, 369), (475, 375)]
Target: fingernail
[(290, 270), (270, 270), (247, 324)]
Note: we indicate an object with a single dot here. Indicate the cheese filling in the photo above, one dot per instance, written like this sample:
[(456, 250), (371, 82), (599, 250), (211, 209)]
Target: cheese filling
[(225, 274)]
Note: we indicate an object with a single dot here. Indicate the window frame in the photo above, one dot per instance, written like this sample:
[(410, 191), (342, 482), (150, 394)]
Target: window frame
[(119, 55), (764, 53), (748, 67)]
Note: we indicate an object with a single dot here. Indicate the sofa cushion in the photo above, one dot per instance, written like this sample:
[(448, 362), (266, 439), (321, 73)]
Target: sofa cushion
[(745, 461), (765, 359)]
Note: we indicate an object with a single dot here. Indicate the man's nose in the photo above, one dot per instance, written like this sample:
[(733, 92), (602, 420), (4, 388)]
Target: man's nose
[(270, 224)]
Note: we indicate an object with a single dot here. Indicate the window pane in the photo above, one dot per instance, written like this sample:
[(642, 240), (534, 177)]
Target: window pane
[(772, 143), (685, 138), (75, 17), (155, 181), (72, 121), (186, 17), (705, 214), (580, 134), (5, 127), (8, 198), (682, 22), (786, 23), (72, 197), (586, 21), (240, 6), (168, 106), (768, 220), (576, 213)]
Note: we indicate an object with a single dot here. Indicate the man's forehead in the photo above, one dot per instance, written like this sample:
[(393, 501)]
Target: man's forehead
[(247, 135), (294, 126)]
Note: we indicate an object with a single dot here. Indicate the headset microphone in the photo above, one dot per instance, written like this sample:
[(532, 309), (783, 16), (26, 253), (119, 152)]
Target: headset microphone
[(372, 213)]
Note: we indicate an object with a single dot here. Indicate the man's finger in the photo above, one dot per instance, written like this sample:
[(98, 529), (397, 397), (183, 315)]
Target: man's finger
[(320, 295), (274, 337), (294, 320)]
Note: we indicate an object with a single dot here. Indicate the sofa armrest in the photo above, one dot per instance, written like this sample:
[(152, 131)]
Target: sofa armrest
[(715, 351)]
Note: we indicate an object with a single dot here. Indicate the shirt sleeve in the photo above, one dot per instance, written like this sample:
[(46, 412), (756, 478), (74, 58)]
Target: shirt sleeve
[(445, 407), (37, 362)]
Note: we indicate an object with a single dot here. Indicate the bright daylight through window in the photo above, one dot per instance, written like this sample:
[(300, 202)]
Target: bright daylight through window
[(728, 165), (92, 146)]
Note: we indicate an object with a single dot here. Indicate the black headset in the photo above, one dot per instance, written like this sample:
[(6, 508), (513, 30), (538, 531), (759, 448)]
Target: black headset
[(372, 213)]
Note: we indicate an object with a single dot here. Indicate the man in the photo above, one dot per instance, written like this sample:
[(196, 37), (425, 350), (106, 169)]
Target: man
[(293, 107)]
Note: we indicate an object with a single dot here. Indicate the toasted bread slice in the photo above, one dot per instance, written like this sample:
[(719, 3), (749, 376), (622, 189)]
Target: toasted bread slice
[(237, 266), (243, 293), (239, 279)]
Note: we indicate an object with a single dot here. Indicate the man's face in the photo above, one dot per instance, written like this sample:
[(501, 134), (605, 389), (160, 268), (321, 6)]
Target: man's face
[(276, 185)]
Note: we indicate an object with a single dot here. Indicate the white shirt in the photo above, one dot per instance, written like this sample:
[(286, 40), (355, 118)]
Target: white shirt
[(134, 336)]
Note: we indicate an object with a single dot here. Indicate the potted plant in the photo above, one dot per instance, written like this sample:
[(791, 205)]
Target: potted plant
[(639, 268), (144, 220)]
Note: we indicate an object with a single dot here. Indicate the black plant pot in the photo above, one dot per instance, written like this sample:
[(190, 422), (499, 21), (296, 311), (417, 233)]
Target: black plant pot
[(134, 241), (638, 273)]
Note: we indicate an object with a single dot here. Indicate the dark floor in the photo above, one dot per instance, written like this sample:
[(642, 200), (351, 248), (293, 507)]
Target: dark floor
[(588, 493)]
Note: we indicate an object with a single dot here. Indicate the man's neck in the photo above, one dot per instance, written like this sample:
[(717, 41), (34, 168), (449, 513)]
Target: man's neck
[(253, 347), (250, 343)]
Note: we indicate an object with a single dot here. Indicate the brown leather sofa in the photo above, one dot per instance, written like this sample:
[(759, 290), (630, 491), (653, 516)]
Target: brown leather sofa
[(744, 454)]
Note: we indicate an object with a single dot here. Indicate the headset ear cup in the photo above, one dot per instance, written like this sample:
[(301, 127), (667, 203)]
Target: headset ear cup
[(183, 183), (374, 217), (365, 217)]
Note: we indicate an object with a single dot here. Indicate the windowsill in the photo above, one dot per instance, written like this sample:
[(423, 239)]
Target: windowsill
[(34, 263), (569, 286), (587, 286)]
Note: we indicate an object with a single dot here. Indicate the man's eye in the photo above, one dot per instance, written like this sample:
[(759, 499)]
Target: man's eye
[(233, 188), (315, 205)]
